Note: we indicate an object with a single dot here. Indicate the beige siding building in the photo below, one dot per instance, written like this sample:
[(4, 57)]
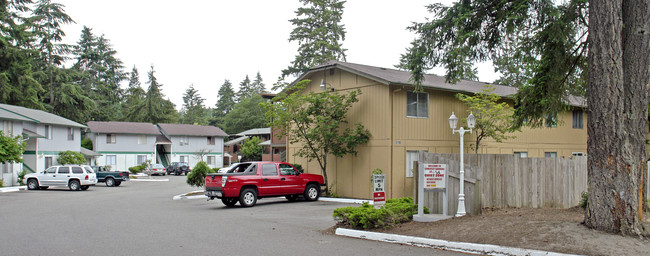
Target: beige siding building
[(402, 122)]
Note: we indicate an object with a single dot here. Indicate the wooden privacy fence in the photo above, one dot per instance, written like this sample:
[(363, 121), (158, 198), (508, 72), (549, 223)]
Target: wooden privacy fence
[(503, 181)]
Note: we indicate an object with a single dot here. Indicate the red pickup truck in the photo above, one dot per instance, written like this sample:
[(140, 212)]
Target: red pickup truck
[(247, 182)]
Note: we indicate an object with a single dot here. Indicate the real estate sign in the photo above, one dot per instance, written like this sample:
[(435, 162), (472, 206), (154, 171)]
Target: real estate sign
[(435, 176)]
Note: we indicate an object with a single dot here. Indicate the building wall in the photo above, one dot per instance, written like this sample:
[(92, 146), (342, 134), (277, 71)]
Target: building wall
[(196, 145), (126, 149), (382, 110)]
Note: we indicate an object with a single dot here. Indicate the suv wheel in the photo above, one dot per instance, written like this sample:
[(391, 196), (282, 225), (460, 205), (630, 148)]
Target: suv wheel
[(74, 185), (32, 184), (311, 192), (248, 197)]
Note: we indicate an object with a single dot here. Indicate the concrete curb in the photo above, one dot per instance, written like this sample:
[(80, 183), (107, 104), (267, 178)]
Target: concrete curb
[(12, 189), (148, 179), (487, 249)]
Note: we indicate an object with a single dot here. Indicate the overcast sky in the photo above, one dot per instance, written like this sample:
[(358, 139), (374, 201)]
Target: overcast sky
[(205, 42)]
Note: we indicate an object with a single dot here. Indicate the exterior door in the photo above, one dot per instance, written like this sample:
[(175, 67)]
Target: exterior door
[(47, 179), (62, 176)]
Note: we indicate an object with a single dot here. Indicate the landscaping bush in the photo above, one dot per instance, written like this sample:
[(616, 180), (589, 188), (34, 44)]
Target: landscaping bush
[(197, 175), (395, 211), (584, 199), (71, 157), (138, 168), (21, 177)]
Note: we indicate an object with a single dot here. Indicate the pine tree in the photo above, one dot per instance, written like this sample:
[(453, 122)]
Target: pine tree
[(156, 108), (245, 89), (133, 101), (319, 32), (224, 104), (257, 85), (193, 110)]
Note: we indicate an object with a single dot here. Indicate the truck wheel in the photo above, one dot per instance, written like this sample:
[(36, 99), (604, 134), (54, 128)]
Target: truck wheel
[(118, 183), (110, 182), (248, 197), (74, 185), (229, 201), (312, 192), (291, 198), (84, 187), (32, 184)]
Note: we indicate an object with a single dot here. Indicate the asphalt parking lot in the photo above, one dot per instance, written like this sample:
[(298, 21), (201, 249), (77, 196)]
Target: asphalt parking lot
[(140, 218)]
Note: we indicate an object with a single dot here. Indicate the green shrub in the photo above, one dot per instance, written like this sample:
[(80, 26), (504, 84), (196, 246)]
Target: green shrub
[(87, 143), (2, 183), (138, 168), (21, 177), (197, 176), (398, 210), (71, 157), (584, 200)]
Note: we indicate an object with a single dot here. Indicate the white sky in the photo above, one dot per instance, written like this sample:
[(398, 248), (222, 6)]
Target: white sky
[(204, 42)]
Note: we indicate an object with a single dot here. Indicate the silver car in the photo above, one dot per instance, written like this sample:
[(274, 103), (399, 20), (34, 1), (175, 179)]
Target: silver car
[(74, 177)]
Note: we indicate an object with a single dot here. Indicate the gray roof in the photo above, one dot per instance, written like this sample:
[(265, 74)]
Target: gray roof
[(390, 76), (235, 141), (191, 130), (88, 152), (34, 115), (123, 128), (255, 131)]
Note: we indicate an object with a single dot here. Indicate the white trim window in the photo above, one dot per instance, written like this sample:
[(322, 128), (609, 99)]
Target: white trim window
[(417, 104), (111, 160), (48, 132), (141, 159), (211, 160), (211, 140), (70, 133), (110, 138), (184, 140), (142, 139), (184, 159), (550, 154), (521, 154)]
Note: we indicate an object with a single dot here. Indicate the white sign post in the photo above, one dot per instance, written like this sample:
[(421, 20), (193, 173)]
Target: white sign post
[(432, 177), (379, 190)]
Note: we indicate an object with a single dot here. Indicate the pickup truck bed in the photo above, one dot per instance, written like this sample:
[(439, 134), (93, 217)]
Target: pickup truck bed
[(110, 178), (248, 182)]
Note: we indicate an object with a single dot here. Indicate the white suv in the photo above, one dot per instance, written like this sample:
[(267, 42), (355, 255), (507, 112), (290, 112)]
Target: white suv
[(74, 177)]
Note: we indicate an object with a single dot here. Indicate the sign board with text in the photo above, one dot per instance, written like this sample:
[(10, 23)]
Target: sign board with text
[(378, 190), (435, 176)]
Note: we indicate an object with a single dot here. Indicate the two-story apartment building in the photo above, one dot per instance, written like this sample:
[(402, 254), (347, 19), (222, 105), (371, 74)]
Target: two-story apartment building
[(45, 135), (127, 144), (403, 121)]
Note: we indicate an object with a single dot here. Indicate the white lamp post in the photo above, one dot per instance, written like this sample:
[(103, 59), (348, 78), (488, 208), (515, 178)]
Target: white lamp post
[(453, 122)]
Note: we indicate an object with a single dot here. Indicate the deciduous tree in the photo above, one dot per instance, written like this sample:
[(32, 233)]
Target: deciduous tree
[(317, 122), (11, 148), (251, 150)]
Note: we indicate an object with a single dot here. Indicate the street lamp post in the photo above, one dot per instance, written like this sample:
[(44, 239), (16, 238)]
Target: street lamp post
[(453, 122)]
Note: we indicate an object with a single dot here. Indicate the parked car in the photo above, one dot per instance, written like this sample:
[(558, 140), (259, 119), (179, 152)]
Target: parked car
[(110, 178), (75, 177), (156, 169), (178, 168), (248, 182), (226, 169)]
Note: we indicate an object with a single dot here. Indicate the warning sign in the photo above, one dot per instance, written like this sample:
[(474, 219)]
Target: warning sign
[(435, 176)]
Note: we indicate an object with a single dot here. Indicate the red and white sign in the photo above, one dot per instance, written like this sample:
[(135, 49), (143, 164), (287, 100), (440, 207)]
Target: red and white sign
[(434, 176), (378, 190)]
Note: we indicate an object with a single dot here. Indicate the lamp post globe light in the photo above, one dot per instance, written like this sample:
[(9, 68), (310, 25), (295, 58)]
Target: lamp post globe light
[(453, 122)]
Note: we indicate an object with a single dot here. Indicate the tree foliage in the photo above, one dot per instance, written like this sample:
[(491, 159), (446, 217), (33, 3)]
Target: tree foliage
[(494, 119), (540, 46), (193, 112), (251, 150), (11, 148), (224, 104), (319, 32), (548, 42), (317, 122), (71, 157), (245, 115), (157, 109)]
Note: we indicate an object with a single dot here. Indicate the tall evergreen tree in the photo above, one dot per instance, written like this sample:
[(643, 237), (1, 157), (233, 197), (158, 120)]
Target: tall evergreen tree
[(156, 108), (245, 89), (552, 40), (133, 100), (224, 104), (193, 110), (47, 19), (319, 32), (258, 85), (17, 84)]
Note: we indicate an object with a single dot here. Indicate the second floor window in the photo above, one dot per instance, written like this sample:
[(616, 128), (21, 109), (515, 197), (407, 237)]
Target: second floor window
[(211, 141), (70, 133), (110, 138), (417, 104), (578, 119), (142, 139), (185, 140), (48, 132)]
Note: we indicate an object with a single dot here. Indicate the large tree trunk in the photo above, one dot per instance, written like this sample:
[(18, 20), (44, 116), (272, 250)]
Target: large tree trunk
[(618, 104)]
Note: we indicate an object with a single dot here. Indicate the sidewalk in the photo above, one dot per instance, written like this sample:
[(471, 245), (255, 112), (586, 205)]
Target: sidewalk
[(12, 189)]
